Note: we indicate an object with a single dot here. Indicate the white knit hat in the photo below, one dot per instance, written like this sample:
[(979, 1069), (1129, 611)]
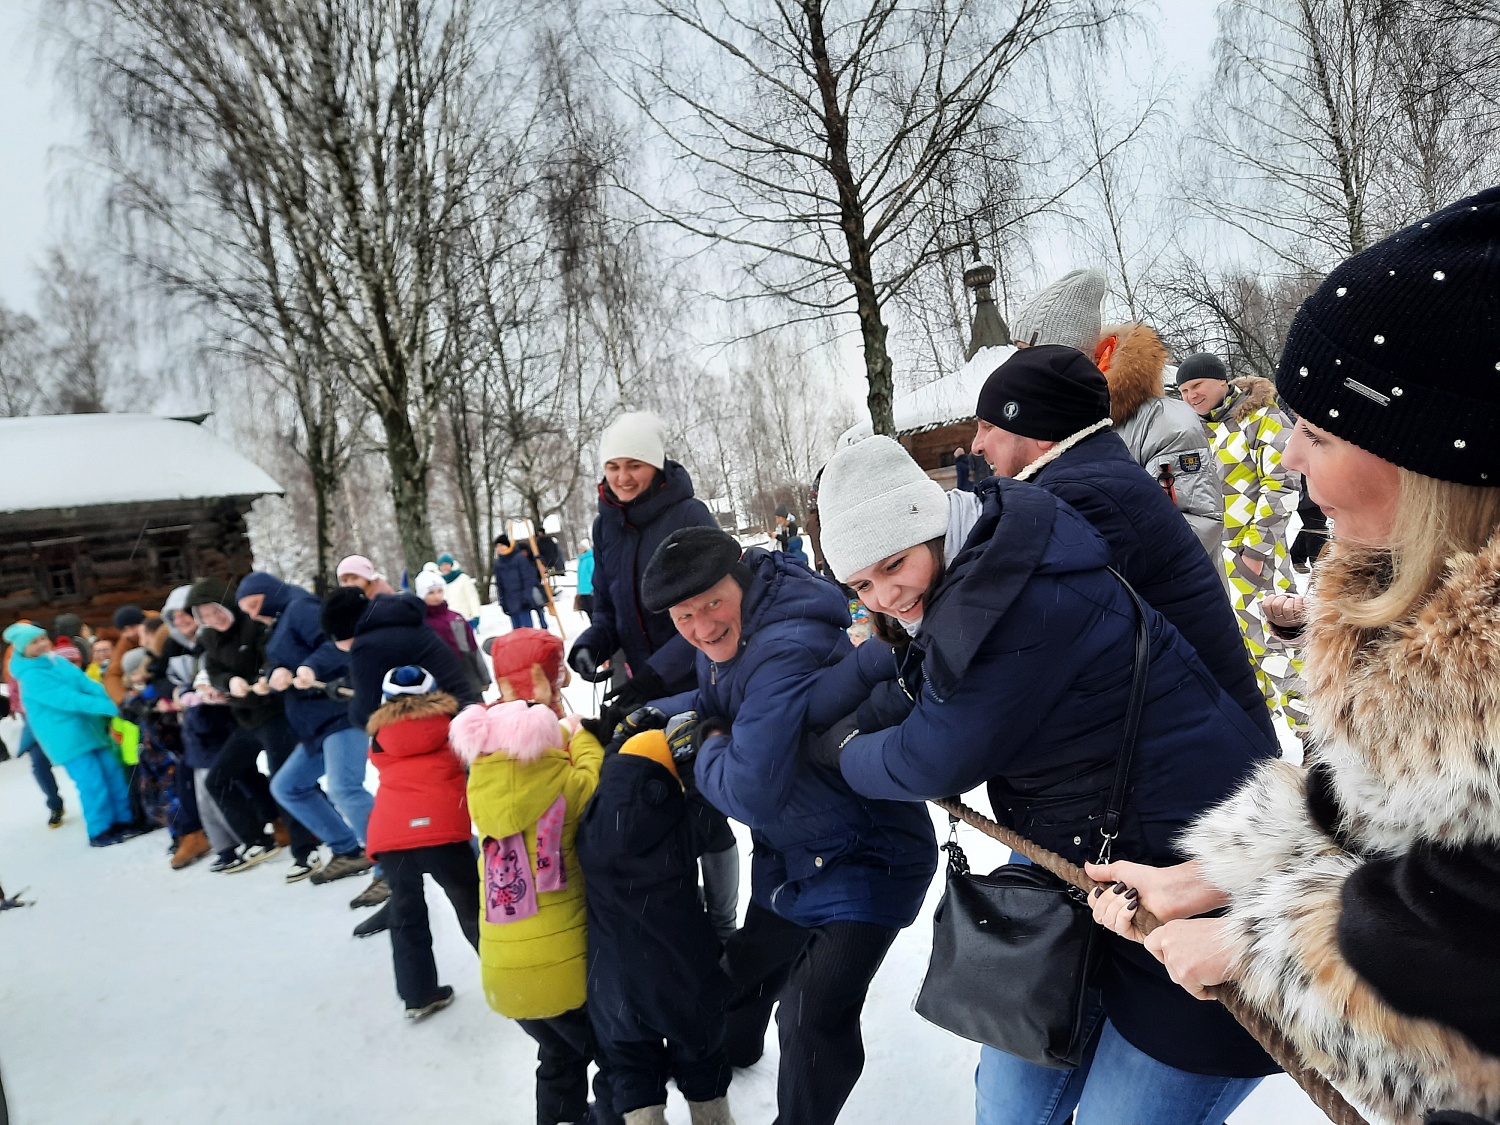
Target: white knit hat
[(637, 435), (875, 501), (428, 580), (1067, 312)]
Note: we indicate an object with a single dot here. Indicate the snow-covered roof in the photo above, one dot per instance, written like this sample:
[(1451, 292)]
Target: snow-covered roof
[(81, 460), (940, 402)]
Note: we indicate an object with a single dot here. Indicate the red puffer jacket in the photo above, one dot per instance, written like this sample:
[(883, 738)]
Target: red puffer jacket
[(422, 800)]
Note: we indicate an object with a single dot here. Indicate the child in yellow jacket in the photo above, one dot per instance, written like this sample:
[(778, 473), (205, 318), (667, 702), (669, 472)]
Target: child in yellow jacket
[(530, 777)]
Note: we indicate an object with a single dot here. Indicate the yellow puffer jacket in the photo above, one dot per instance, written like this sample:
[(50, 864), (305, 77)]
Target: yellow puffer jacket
[(535, 968)]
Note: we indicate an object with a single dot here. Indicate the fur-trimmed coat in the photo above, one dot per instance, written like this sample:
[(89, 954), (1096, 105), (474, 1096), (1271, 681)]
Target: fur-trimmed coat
[(1365, 890), (423, 799), (1159, 430)]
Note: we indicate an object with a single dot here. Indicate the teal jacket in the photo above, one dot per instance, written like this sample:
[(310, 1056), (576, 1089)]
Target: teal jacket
[(68, 712), (586, 573)]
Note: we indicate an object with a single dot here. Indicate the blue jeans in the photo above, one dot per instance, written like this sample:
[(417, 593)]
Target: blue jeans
[(1114, 1085), (102, 790), (295, 788), (41, 768), (523, 620), (345, 753)]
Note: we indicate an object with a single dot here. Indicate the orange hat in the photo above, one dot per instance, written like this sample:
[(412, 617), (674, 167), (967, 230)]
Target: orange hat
[(652, 744)]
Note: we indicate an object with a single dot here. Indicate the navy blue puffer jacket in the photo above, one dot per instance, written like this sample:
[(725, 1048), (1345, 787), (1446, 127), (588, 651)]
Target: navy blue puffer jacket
[(518, 581), (393, 631), (1159, 554), (297, 634), (1021, 675), (822, 852), (625, 538)]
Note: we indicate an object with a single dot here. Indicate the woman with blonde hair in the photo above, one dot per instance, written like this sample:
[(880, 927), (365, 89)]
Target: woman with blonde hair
[(1360, 892)]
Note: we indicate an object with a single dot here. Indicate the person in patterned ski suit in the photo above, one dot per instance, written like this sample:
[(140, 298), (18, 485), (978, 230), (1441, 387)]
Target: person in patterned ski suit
[(1248, 431)]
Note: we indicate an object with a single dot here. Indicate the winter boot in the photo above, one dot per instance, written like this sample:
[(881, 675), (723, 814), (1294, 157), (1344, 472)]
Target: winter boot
[(190, 849), (443, 998), (341, 867), (715, 1112), (280, 833), (648, 1115), (373, 895), (376, 923), (56, 817)]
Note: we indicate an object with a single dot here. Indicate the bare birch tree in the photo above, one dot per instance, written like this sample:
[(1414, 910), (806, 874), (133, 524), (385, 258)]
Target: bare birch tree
[(814, 131), (348, 137)]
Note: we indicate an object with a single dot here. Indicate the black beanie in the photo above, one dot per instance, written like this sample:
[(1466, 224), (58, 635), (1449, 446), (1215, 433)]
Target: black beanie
[(1202, 365), (128, 615), (688, 562), (220, 591), (1048, 392), (342, 610), (1398, 351)]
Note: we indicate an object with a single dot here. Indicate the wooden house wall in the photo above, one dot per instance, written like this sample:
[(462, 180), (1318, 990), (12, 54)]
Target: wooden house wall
[(90, 561), (933, 449)]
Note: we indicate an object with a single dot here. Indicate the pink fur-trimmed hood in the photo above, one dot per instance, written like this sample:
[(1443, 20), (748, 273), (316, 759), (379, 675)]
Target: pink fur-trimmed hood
[(516, 730)]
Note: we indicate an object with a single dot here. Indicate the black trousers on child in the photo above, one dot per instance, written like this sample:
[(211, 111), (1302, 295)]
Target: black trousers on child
[(564, 1048), (243, 793), (638, 1071), (455, 868), (821, 977)]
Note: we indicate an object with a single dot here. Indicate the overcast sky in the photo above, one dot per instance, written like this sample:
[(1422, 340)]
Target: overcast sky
[(40, 138)]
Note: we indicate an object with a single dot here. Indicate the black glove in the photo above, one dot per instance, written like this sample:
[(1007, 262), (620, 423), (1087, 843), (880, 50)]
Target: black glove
[(687, 732), (596, 728), (583, 661), (639, 690), (827, 748), (642, 718), (339, 690)]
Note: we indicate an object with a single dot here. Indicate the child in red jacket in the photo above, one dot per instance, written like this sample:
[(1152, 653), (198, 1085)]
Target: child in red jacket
[(420, 825)]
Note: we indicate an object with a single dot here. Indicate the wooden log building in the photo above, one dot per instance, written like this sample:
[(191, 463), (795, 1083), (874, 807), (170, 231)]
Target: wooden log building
[(937, 418), (103, 510)]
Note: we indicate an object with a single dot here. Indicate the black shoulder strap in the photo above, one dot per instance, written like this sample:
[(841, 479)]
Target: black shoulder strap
[(1140, 669)]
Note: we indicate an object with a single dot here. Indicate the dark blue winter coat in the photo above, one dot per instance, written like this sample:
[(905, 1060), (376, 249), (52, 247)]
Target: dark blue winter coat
[(1021, 674), (296, 636), (653, 955), (822, 852), (625, 538), (1159, 554), (516, 577), (393, 631)]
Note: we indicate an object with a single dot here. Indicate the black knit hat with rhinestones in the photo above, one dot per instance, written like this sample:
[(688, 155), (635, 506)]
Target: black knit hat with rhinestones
[(1398, 351)]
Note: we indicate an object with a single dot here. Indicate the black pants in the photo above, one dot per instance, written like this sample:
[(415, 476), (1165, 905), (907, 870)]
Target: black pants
[(243, 793), (186, 821), (638, 1071), (455, 868), (821, 977), (564, 1049)]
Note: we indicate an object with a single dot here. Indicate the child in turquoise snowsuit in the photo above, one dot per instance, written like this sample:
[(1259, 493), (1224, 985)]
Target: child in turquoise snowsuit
[(69, 714)]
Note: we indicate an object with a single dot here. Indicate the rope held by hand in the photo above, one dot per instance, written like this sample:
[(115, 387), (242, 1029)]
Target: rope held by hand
[(1275, 1044)]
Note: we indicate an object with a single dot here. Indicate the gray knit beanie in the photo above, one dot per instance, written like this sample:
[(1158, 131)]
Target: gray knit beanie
[(874, 501), (1067, 312)]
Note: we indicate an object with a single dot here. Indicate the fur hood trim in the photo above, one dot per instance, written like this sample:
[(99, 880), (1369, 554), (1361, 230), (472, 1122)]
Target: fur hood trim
[(1060, 448), (411, 707), (1135, 370), (516, 730), (1255, 394)]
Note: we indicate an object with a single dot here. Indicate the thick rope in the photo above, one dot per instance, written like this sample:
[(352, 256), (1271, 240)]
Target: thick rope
[(1275, 1044)]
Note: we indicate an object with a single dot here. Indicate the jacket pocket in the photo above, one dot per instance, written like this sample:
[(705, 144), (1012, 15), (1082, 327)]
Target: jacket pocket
[(805, 860)]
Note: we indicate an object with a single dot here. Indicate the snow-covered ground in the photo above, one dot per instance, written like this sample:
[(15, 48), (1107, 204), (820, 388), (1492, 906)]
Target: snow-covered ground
[(131, 994)]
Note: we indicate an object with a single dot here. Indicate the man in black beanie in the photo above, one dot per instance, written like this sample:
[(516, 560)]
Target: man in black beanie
[(821, 914), (1044, 417)]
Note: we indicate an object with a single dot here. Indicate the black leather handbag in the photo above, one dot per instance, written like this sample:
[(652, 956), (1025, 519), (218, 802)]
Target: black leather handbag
[(1013, 951)]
